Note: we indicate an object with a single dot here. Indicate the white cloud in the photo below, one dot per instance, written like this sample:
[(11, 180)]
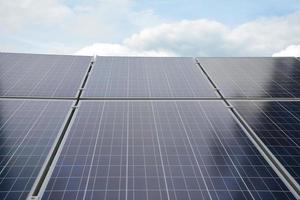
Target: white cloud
[(15, 14), (83, 21), (290, 51), (261, 37), (60, 26), (56, 26), (117, 49), (182, 38), (108, 19)]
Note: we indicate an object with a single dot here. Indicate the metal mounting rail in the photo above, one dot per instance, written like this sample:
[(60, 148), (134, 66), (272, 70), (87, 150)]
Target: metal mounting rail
[(38, 98), (151, 98), (261, 99), (84, 81), (42, 179), (280, 170)]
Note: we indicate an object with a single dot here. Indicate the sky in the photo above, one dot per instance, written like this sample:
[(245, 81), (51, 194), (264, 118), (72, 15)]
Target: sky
[(151, 27)]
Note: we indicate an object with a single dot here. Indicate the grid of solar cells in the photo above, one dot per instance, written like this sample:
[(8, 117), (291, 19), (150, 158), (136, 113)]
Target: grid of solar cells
[(255, 77), (41, 75), (293, 107), (277, 124), (147, 77), (27, 132), (160, 150)]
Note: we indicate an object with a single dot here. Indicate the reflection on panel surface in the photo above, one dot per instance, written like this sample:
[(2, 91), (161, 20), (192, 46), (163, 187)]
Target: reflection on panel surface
[(41, 75), (278, 126), (160, 150), (255, 77), (147, 77), (27, 132)]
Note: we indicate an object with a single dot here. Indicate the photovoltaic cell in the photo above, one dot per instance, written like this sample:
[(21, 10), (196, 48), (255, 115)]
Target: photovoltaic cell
[(255, 77), (147, 77), (41, 75), (277, 124), (160, 150), (27, 132)]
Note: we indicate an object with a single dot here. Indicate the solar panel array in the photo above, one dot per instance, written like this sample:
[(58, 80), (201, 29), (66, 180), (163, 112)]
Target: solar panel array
[(160, 150), (34, 75), (28, 130), (147, 77), (148, 128), (255, 77), (278, 125)]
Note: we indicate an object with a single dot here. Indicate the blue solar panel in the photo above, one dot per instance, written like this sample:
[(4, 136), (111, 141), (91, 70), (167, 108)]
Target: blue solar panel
[(277, 124), (36, 75), (147, 77), (27, 132), (255, 77), (160, 150), (146, 137)]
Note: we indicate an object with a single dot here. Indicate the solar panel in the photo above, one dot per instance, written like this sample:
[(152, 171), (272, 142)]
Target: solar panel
[(27, 132), (147, 77), (255, 77), (41, 75), (277, 124), (160, 150)]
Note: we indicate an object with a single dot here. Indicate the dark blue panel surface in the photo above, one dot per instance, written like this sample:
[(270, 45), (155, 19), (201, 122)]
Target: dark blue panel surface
[(27, 132), (255, 77), (160, 150), (278, 125), (147, 77), (41, 75)]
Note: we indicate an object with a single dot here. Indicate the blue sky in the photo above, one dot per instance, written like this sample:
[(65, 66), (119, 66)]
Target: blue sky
[(152, 28), (231, 12)]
